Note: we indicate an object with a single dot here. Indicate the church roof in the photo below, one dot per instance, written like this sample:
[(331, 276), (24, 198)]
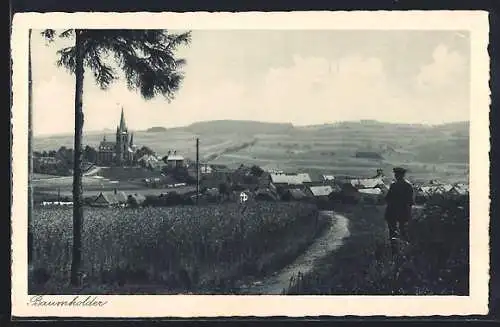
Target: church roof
[(123, 125), (106, 145)]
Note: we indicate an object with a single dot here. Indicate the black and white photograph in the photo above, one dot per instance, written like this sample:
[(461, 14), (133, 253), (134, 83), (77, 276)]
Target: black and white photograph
[(251, 161)]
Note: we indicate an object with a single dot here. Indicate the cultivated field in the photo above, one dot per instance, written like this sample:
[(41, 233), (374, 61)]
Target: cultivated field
[(430, 152), (168, 250)]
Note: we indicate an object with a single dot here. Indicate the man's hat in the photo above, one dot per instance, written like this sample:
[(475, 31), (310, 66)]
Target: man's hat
[(399, 170)]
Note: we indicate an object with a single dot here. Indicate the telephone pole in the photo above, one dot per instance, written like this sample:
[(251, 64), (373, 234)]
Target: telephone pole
[(197, 169)]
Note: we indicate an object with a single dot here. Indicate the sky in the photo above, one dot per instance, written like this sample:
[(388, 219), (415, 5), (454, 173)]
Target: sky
[(300, 77)]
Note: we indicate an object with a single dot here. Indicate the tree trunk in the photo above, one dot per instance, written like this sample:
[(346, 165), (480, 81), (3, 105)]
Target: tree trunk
[(30, 155), (77, 171)]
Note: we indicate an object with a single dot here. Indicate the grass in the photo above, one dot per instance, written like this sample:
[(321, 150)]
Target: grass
[(435, 262), (201, 249)]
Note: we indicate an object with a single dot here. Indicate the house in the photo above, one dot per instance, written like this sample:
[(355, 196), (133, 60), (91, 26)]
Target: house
[(148, 161), (371, 195), (205, 169), (48, 160), (367, 182), (427, 191), (328, 178), (383, 187), (275, 171), (320, 191), (458, 190), (294, 194), (212, 191), (445, 188), (348, 194), (290, 179), (106, 199), (173, 160), (265, 195)]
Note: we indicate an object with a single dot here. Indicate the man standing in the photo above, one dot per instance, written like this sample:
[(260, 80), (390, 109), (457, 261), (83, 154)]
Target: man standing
[(399, 203)]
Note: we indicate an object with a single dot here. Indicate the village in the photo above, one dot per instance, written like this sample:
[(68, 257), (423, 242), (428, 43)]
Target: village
[(122, 174), (172, 181)]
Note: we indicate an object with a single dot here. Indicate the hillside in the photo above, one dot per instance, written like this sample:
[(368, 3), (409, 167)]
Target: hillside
[(239, 126), (156, 129), (440, 151)]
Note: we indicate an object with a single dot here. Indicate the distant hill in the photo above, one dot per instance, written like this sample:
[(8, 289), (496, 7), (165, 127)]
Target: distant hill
[(239, 127), (331, 145), (156, 129)]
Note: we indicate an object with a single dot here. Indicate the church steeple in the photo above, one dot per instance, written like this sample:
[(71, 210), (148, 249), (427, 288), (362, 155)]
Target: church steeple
[(123, 126)]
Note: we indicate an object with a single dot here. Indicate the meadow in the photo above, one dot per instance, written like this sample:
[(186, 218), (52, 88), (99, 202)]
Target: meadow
[(434, 262), (200, 249)]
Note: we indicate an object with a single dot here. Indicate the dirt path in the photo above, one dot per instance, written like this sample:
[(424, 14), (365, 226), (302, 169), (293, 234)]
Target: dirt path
[(328, 242)]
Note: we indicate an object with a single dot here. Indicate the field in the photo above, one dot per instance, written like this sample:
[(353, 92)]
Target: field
[(170, 250), (62, 186), (332, 150), (430, 152)]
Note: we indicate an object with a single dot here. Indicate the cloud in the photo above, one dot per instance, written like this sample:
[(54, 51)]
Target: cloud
[(443, 71), (315, 90), (308, 90)]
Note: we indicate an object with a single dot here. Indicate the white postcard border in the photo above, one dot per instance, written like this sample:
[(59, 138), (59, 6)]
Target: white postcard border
[(294, 306)]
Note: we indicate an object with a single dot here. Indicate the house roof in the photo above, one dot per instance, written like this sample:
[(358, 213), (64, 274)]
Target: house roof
[(265, 192), (321, 190), (212, 191), (429, 189), (460, 189), (367, 182), (174, 157), (294, 179), (447, 187), (370, 191), (112, 198), (328, 177)]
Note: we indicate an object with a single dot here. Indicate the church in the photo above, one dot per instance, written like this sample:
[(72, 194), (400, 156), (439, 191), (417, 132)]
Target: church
[(118, 153)]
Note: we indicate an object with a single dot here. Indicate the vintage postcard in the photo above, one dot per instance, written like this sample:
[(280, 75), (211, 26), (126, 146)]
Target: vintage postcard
[(250, 164)]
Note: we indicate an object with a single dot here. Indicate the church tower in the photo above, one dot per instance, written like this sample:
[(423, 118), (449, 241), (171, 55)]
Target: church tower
[(122, 142)]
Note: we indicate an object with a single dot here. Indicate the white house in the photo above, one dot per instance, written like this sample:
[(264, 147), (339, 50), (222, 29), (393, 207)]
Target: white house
[(328, 178), (321, 191), (205, 169), (367, 182), (290, 179)]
